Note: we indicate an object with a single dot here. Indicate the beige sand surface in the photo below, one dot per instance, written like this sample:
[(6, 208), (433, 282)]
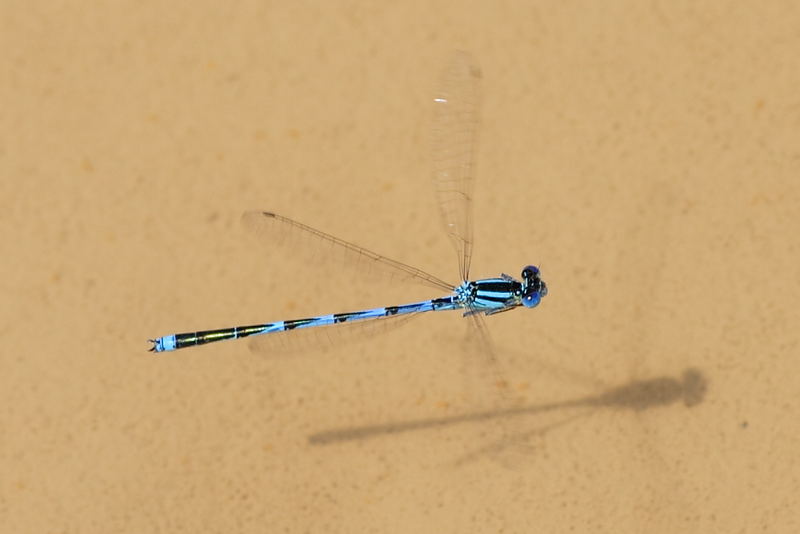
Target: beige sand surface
[(646, 154)]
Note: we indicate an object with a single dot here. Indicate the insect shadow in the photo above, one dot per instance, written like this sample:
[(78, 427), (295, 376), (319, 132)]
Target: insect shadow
[(638, 395)]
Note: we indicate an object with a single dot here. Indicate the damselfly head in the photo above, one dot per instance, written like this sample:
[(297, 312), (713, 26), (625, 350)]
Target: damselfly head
[(533, 287)]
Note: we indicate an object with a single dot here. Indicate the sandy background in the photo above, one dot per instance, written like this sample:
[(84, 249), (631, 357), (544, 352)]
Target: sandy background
[(645, 154)]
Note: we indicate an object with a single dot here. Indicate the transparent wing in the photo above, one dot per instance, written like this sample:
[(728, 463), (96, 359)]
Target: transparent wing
[(324, 249), (482, 354), (505, 443), (454, 145)]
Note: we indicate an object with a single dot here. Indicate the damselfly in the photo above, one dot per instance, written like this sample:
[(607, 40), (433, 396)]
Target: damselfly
[(455, 137)]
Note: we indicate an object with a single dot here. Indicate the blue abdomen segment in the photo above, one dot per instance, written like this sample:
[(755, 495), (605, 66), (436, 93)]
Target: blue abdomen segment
[(164, 344)]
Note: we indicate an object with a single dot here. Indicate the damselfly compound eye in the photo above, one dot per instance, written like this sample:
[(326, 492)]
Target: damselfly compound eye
[(530, 271), (531, 300)]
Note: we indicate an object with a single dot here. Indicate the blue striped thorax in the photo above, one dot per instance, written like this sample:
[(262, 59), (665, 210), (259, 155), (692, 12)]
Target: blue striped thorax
[(492, 295)]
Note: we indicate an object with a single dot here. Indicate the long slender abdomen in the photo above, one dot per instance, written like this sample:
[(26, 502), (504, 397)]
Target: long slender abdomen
[(190, 339)]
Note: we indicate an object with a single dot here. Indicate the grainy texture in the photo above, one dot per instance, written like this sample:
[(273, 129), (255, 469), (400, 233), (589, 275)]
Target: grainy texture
[(646, 155)]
